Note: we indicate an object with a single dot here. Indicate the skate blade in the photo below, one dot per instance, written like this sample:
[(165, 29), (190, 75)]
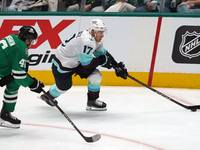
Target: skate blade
[(90, 108), (39, 98), (8, 124), (49, 103)]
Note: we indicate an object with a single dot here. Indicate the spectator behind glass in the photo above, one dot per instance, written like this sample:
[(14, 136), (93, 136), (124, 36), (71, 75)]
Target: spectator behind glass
[(174, 5), (91, 5), (121, 6), (52, 4), (71, 2), (20, 5), (189, 7), (148, 7)]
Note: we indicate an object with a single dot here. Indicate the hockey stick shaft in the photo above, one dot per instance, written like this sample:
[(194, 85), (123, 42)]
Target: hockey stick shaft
[(87, 139), (167, 97)]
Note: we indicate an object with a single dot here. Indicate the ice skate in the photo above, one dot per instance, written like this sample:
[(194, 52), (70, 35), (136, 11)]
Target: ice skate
[(7, 120), (50, 102), (96, 105)]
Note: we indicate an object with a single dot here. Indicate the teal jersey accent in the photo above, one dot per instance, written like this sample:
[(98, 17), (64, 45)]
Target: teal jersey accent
[(98, 53), (58, 67), (13, 56), (85, 59)]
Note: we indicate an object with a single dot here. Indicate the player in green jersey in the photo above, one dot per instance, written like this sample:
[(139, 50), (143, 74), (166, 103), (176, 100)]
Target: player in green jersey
[(13, 71)]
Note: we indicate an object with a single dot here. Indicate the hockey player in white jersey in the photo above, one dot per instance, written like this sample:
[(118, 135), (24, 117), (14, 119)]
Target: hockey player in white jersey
[(82, 54)]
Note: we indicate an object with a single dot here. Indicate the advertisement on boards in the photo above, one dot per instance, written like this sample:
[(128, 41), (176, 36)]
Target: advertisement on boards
[(187, 45), (52, 31), (183, 55)]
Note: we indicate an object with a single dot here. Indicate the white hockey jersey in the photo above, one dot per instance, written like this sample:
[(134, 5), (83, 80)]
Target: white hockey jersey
[(81, 48)]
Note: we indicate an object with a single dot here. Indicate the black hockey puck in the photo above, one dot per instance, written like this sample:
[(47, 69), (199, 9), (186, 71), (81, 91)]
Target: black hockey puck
[(193, 110)]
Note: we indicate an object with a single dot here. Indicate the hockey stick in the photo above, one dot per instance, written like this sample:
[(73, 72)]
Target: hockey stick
[(94, 138), (192, 108)]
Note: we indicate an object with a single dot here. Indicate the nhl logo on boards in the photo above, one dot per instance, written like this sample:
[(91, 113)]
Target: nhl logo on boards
[(190, 46), (186, 48)]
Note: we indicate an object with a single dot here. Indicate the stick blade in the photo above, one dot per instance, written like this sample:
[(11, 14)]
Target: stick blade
[(194, 107), (93, 138)]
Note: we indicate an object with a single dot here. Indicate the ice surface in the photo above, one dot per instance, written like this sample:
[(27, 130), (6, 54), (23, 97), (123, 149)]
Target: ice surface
[(136, 119)]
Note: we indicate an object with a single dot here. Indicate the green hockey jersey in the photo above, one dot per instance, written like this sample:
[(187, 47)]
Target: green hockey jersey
[(13, 58)]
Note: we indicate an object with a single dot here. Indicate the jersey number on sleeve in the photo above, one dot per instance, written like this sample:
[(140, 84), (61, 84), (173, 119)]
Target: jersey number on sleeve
[(22, 63), (4, 44)]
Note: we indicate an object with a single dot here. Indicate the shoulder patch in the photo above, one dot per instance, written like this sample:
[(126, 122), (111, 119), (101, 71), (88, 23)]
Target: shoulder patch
[(79, 34), (26, 51)]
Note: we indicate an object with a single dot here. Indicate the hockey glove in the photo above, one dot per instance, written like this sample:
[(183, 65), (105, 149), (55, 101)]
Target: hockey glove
[(106, 61), (121, 71), (6, 79), (112, 60), (36, 86)]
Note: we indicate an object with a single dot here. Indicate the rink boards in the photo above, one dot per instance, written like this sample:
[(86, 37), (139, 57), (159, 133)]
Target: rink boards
[(159, 50)]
